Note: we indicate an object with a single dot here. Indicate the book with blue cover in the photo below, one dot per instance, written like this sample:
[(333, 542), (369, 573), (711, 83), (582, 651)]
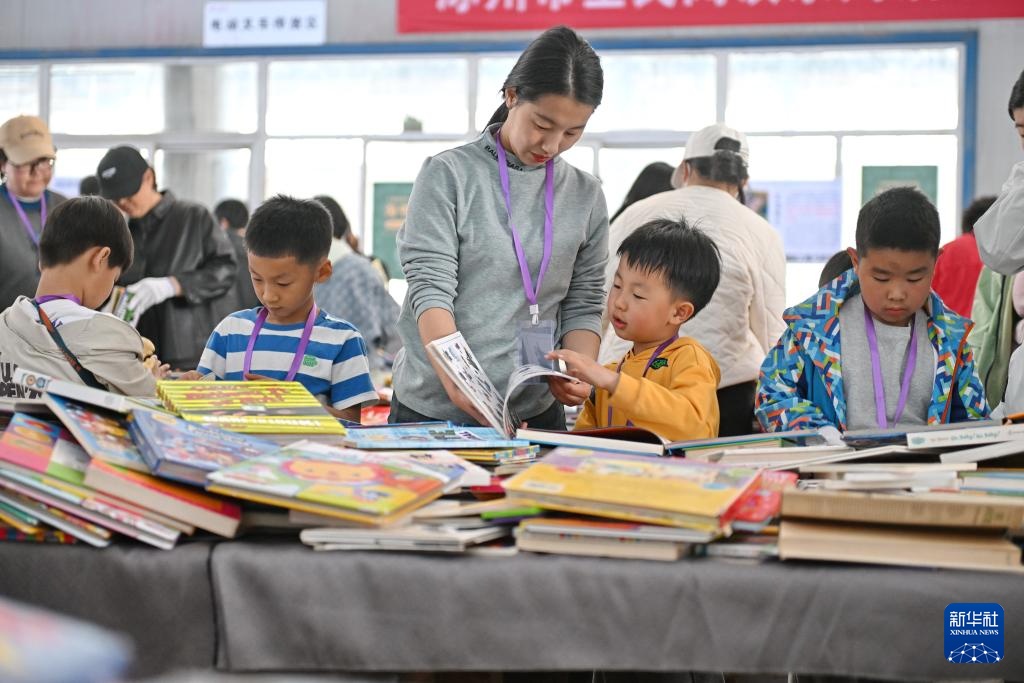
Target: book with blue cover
[(102, 433), (444, 436), (187, 451)]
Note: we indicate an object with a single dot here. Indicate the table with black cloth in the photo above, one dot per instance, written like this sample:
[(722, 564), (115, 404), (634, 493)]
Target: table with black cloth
[(275, 605)]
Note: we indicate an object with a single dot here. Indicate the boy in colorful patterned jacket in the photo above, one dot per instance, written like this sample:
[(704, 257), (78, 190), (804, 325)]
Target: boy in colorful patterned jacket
[(875, 348)]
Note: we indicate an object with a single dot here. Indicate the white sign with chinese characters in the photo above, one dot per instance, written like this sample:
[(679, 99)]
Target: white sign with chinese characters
[(248, 23)]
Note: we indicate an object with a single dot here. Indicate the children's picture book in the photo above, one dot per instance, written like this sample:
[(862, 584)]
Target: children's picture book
[(186, 451), (419, 537), (499, 456), (58, 519), (460, 364), (760, 506), (797, 437), (347, 484), (40, 535), (597, 539), (993, 480), (250, 407), (43, 446), (185, 503), (455, 472), (669, 491), (617, 439), (44, 384), (102, 433), (438, 435)]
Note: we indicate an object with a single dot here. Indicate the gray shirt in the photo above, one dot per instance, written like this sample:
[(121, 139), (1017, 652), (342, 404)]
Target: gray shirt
[(19, 255), (457, 254), (858, 384)]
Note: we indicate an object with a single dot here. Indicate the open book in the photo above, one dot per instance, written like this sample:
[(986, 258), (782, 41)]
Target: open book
[(454, 355)]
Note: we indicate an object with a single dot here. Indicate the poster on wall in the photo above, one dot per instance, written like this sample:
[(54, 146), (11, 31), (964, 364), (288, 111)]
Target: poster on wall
[(448, 16), (807, 215), (877, 179), (262, 23), (390, 201)]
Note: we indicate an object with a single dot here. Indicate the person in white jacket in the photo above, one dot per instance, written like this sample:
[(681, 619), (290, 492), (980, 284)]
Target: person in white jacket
[(743, 320), (1000, 235)]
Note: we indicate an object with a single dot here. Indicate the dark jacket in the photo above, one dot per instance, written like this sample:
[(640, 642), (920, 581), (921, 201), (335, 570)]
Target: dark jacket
[(19, 255), (181, 239), (245, 295)]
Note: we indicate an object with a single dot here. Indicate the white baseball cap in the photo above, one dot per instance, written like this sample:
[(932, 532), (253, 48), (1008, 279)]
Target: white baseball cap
[(718, 137)]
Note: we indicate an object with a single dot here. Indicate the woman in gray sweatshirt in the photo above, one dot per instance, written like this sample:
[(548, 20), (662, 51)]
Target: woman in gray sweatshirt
[(502, 233)]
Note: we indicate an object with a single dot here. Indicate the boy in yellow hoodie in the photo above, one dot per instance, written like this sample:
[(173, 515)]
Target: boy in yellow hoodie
[(667, 273)]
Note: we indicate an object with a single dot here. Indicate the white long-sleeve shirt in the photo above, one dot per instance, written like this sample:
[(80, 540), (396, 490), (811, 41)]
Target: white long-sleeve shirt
[(743, 320)]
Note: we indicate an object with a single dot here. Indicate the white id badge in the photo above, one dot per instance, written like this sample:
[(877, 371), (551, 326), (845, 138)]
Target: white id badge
[(535, 342)]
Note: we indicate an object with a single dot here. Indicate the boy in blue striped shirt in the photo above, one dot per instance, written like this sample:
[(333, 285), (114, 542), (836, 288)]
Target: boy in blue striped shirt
[(287, 338)]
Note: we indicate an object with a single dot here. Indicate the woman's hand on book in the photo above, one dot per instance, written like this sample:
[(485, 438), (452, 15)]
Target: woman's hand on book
[(587, 369)]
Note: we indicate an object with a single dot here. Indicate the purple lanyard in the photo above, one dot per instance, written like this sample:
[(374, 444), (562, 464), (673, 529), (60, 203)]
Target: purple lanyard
[(549, 208), (300, 352), (650, 361), (54, 297), (24, 217), (910, 356)]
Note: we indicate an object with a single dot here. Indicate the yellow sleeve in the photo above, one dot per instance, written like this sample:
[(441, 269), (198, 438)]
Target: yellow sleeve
[(686, 409), (587, 417)]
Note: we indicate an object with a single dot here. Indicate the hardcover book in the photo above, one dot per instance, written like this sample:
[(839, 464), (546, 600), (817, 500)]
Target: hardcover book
[(429, 436), (670, 491), (347, 484), (250, 407), (187, 451)]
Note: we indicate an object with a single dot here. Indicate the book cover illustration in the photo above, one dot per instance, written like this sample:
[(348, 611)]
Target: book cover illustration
[(250, 407), (345, 480), (637, 481), (102, 433), (42, 446), (188, 450), (429, 436)]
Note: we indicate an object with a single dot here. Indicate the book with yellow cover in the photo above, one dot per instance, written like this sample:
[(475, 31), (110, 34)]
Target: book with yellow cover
[(250, 407), (346, 484), (669, 491)]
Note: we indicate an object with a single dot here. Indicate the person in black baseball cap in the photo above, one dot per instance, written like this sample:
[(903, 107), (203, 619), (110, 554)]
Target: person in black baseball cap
[(184, 264)]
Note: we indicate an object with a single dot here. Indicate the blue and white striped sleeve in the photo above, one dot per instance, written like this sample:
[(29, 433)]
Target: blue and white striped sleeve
[(350, 375), (214, 358)]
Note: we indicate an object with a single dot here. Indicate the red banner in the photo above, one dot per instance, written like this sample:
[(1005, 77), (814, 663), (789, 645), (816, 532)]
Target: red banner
[(448, 16)]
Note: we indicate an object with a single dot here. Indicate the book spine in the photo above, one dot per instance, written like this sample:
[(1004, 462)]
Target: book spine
[(901, 510), (149, 456)]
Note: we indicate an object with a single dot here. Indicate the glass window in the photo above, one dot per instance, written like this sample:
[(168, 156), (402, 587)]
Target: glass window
[(306, 168), (928, 161), (621, 166), (73, 165), (910, 89), (19, 91), (204, 177), (491, 74), (580, 156), (658, 91), (107, 99), (211, 97), (792, 158), (368, 96)]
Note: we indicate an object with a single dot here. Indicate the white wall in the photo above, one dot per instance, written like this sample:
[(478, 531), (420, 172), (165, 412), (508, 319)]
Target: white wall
[(79, 25)]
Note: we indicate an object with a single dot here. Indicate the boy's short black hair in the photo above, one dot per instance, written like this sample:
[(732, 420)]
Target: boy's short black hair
[(285, 226), (901, 218), (1017, 95), (80, 224), (234, 212), (975, 211), (339, 221), (684, 256)]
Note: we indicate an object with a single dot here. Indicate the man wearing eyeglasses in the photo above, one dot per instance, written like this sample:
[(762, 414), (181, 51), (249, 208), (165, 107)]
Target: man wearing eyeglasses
[(26, 168)]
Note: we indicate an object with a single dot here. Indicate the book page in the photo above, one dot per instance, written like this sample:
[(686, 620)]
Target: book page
[(458, 361), (519, 376)]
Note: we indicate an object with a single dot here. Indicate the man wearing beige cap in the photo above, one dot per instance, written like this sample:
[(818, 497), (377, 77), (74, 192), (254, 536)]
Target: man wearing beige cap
[(26, 168)]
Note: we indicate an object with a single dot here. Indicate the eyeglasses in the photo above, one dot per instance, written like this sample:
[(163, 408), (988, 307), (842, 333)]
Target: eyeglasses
[(40, 164)]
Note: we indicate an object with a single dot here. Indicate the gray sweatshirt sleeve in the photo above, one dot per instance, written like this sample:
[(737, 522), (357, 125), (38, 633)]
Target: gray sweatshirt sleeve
[(428, 243), (581, 309)]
